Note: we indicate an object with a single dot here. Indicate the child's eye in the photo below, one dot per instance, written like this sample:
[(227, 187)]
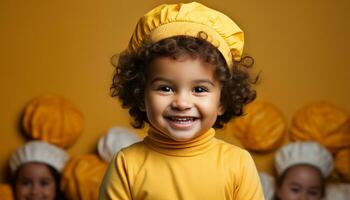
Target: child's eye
[(295, 190), (25, 182), (200, 89), (314, 193), (164, 89), (44, 183)]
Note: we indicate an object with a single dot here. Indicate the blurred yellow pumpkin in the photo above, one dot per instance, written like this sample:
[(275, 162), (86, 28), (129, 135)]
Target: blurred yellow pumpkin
[(6, 192), (82, 177), (53, 119), (322, 122), (342, 164), (262, 128)]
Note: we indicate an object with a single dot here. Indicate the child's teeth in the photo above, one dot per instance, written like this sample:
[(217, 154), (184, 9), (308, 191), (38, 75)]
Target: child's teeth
[(182, 119)]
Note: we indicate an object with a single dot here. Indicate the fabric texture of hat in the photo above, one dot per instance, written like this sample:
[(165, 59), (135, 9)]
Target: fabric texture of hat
[(53, 119), (306, 152), (268, 185), (115, 139), (323, 122), (337, 192), (262, 128), (39, 151), (168, 20), (82, 177), (6, 192), (342, 164)]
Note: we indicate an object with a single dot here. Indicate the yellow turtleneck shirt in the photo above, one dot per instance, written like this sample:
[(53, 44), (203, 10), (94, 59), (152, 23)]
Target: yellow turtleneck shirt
[(159, 168)]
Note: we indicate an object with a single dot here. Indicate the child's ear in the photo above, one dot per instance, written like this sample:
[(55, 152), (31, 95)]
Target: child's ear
[(142, 107), (221, 110)]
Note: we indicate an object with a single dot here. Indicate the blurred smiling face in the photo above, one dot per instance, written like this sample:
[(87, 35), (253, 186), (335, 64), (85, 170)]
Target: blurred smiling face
[(35, 182), (302, 182), (182, 97)]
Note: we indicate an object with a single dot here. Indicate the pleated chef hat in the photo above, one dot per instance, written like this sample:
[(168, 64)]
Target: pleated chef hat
[(268, 185), (39, 151), (169, 20), (306, 152), (337, 191), (115, 139)]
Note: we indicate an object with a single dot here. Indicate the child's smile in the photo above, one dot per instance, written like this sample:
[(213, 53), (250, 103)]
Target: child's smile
[(182, 97), (181, 122)]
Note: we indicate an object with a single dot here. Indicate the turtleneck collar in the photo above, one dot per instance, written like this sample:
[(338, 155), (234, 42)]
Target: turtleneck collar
[(162, 143)]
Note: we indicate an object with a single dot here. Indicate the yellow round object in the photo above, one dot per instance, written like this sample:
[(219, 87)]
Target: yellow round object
[(323, 122), (169, 20), (53, 119), (6, 192), (82, 177), (342, 164), (262, 128)]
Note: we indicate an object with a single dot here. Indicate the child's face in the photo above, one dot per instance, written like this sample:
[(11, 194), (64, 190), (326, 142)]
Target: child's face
[(301, 182), (35, 182), (182, 97)]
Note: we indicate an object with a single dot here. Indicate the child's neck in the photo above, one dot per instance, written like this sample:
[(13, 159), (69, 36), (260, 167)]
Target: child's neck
[(162, 143)]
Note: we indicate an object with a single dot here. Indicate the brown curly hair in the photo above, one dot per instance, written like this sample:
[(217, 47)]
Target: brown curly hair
[(129, 79)]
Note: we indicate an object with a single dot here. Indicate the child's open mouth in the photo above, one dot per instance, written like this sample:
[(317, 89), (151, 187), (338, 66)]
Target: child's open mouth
[(181, 122)]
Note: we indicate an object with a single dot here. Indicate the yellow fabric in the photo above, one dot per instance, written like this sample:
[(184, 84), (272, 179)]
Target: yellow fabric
[(53, 119), (323, 122), (6, 192), (161, 169), (342, 164), (82, 177), (168, 20), (262, 128)]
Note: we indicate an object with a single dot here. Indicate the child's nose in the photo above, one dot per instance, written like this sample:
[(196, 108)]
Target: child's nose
[(35, 189), (182, 101), (303, 196)]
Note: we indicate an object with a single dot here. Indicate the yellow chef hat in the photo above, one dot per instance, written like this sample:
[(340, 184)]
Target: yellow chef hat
[(6, 192), (322, 122), (168, 20), (262, 128), (342, 163), (53, 119), (82, 177)]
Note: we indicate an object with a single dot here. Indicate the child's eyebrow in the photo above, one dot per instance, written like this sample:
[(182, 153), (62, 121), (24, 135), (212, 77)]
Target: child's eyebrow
[(160, 79), (204, 81), (198, 81), (295, 184)]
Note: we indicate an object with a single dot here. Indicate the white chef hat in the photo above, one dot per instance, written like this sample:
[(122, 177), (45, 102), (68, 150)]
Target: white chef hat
[(307, 152), (115, 139), (39, 151), (268, 185), (337, 191)]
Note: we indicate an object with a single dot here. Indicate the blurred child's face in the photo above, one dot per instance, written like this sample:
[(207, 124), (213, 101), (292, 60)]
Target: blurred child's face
[(301, 182), (182, 97), (35, 182)]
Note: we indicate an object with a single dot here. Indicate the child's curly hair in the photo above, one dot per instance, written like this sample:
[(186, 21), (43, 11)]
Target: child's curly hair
[(129, 79)]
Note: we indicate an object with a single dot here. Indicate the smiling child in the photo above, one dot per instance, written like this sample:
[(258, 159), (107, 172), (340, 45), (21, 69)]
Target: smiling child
[(184, 75)]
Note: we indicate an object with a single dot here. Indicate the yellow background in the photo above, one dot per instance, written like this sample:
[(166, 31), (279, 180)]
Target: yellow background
[(64, 47)]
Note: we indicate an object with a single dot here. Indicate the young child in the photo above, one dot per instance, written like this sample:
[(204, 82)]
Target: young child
[(302, 168), (36, 171), (183, 75)]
